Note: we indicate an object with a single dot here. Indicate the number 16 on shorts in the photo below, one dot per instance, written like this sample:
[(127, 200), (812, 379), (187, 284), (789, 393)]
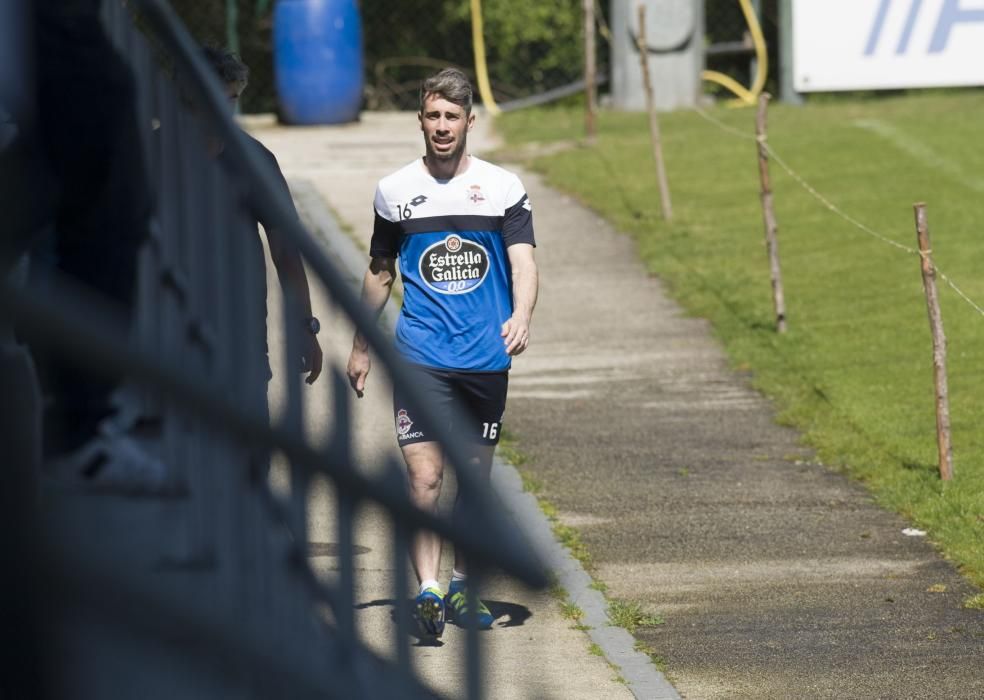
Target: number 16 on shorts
[(490, 431)]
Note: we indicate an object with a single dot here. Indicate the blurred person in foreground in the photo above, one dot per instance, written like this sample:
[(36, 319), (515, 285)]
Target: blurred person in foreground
[(234, 76), (463, 231), (81, 210)]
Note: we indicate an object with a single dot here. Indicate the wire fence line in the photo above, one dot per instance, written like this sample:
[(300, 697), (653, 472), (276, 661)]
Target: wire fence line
[(829, 205)]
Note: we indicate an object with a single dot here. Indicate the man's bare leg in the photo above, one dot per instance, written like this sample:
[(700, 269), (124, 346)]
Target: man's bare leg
[(460, 607), (480, 464), (425, 469)]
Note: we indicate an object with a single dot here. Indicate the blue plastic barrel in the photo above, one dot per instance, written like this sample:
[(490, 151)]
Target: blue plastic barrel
[(317, 47)]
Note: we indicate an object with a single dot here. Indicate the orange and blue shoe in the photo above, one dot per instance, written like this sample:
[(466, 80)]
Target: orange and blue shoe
[(430, 612), (457, 604)]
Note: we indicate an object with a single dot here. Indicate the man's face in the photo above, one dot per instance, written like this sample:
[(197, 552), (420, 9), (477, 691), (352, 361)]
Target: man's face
[(232, 92), (445, 126)]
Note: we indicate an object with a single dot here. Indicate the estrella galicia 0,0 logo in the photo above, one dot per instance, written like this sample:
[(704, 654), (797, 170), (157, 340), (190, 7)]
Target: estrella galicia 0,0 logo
[(454, 265)]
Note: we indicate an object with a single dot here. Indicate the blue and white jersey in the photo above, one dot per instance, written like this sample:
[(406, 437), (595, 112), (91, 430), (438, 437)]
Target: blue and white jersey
[(451, 238)]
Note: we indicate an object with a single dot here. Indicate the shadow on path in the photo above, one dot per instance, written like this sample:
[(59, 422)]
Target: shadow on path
[(506, 615)]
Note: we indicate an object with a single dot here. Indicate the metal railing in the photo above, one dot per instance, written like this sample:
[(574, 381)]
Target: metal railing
[(204, 589)]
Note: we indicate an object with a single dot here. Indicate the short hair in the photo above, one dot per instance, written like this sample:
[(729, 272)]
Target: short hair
[(228, 66), (452, 85)]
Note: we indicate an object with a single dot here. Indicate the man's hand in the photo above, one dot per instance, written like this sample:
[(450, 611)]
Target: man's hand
[(312, 359), (516, 331), (516, 335), (358, 369), (376, 287)]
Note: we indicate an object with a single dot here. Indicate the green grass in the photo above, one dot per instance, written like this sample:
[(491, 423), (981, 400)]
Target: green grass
[(975, 602), (508, 450), (571, 538), (656, 659), (565, 534), (571, 611), (854, 372), (631, 615)]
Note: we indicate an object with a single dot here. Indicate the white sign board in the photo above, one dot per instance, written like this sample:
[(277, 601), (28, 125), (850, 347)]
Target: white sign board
[(882, 44)]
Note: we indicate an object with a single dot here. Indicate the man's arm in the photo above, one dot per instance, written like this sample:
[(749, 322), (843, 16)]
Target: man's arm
[(525, 284), (294, 283), (376, 287)]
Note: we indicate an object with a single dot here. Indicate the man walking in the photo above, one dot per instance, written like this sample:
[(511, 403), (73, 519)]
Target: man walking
[(463, 231)]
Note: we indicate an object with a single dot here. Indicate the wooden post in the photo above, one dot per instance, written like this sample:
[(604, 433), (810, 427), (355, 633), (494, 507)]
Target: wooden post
[(664, 187), (590, 73), (769, 214), (939, 344)]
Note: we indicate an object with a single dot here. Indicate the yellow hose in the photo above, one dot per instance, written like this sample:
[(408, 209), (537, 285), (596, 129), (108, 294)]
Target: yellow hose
[(481, 67), (746, 96)]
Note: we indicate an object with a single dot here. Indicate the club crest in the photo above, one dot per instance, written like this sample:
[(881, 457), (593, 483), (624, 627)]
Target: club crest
[(403, 422)]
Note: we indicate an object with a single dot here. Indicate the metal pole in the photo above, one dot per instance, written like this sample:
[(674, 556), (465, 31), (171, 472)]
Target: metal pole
[(786, 91), (590, 72), (232, 25), (22, 601), (23, 598), (753, 62)]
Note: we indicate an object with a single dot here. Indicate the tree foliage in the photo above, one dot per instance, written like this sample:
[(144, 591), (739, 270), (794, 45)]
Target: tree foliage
[(530, 46)]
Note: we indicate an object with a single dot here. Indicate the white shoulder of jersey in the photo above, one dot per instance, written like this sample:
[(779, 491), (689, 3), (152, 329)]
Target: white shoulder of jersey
[(392, 189), (504, 183), (414, 170)]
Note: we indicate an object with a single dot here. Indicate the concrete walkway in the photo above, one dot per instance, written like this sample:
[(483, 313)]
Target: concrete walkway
[(776, 577)]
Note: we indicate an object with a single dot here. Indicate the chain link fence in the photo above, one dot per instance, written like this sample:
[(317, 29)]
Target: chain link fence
[(244, 26), (531, 47)]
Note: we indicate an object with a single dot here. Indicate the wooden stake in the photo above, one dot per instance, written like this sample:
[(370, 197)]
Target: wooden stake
[(939, 344), (664, 187), (590, 72), (769, 214)]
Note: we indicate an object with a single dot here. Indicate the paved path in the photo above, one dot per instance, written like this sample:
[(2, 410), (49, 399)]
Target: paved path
[(776, 577)]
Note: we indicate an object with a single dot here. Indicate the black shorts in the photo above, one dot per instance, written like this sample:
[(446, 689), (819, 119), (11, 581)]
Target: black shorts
[(468, 404)]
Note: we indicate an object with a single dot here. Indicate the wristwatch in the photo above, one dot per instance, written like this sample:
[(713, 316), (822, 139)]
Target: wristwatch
[(312, 325)]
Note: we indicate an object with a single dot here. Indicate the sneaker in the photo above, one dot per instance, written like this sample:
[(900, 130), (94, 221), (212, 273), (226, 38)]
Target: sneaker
[(430, 612), (457, 604), (117, 463)]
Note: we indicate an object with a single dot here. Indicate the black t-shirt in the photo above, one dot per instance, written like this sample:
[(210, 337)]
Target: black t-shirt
[(283, 191), (248, 200)]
